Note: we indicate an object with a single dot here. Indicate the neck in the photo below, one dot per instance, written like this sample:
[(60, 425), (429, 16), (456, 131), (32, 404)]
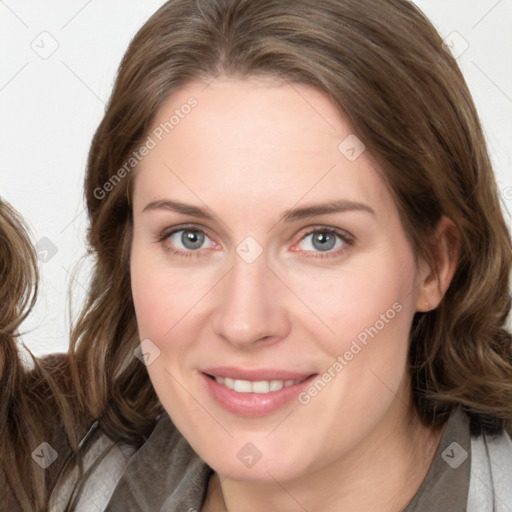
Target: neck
[(382, 473)]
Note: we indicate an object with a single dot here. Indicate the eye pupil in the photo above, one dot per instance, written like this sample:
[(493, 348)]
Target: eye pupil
[(192, 239), (325, 240)]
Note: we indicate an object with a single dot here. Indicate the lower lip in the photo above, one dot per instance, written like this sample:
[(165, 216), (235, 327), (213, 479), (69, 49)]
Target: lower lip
[(254, 404)]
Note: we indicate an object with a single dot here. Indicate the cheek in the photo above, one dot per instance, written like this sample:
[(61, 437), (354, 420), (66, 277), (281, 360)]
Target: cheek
[(154, 294), (160, 296), (369, 311), (376, 339), (376, 296), (160, 302), (169, 306), (150, 305)]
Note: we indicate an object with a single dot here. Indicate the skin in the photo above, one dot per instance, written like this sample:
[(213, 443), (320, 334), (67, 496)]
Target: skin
[(250, 150)]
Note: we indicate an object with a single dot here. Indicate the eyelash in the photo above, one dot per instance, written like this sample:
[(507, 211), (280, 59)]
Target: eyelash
[(345, 237)]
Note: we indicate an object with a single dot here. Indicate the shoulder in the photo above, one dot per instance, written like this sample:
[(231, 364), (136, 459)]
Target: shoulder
[(164, 474), (114, 471), (53, 396), (106, 462), (491, 473)]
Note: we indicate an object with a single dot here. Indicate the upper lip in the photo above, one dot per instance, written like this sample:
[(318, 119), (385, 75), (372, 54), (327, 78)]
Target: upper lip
[(254, 374)]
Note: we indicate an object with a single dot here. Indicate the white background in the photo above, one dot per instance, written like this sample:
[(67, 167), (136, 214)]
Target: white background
[(51, 106)]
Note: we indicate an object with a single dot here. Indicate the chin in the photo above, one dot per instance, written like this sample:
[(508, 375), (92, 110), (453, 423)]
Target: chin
[(243, 460)]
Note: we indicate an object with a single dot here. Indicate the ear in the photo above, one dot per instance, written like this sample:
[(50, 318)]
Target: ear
[(433, 282)]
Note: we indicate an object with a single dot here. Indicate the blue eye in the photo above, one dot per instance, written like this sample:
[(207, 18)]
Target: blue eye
[(189, 239), (325, 242), (185, 241), (322, 240)]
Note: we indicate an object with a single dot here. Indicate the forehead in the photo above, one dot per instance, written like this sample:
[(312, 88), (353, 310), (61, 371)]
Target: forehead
[(244, 115), (255, 141)]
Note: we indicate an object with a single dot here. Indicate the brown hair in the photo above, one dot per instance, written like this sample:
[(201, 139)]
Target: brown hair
[(31, 399), (383, 65)]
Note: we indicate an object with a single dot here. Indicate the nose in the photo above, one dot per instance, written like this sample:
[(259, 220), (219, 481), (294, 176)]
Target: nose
[(250, 307)]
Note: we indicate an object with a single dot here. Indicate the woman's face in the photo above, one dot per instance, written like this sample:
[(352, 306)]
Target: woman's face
[(268, 254)]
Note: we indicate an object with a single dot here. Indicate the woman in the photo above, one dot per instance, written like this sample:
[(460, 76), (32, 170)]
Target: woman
[(301, 278)]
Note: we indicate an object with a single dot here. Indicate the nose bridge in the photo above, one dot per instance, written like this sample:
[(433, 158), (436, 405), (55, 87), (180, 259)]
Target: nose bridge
[(249, 307)]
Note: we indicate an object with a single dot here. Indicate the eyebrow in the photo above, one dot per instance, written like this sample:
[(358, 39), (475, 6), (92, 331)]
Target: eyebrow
[(337, 206), (176, 206)]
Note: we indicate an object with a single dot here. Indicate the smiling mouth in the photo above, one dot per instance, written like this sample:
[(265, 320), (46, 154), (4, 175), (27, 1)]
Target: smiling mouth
[(260, 386)]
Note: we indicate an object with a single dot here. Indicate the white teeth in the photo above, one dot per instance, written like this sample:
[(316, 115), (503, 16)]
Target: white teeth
[(261, 386), (242, 386), (276, 385)]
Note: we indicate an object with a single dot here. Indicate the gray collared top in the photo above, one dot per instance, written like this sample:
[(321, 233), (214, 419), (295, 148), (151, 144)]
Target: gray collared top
[(166, 475), (446, 486)]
